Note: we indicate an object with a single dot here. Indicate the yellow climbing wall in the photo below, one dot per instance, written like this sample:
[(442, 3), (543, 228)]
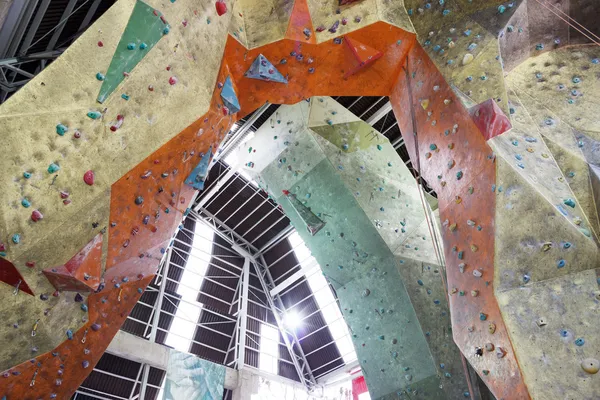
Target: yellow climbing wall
[(64, 93)]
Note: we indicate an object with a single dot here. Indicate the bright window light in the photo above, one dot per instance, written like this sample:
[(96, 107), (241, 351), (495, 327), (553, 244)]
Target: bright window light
[(292, 320), (269, 349), (187, 315), (325, 299), (364, 396)]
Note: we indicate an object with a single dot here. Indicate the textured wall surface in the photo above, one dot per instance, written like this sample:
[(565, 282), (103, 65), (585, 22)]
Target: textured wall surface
[(350, 176), (516, 219)]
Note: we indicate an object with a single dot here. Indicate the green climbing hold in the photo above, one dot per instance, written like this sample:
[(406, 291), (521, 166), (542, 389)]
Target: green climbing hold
[(52, 168), (379, 147), (130, 46), (94, 114), (61, 129), (570, 203)]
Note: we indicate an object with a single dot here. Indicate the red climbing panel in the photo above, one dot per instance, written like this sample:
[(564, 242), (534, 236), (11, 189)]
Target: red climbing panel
[(300, 27), (360, 55), (80, 273), (10, 274), (490, 119)]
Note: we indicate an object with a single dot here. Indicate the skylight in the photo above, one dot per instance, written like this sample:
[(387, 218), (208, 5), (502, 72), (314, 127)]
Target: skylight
[(325, 299), (188, 311)]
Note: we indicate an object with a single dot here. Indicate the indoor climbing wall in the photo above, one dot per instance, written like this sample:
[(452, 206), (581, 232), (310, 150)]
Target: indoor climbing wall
[(82, 233), (318, 159), (99, 146)]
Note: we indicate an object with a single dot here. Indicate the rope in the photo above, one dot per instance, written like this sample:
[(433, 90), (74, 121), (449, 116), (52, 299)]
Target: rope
[(542, 2)]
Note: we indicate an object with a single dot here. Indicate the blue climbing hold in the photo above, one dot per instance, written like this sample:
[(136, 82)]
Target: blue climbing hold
[(143, 46), (501, 9), (564, 333), (579, 342), (229, 97), (16, 238), (482, 316), (539, 46), (198, 176), (100, 76), (130, 46), (26, 175), (25, 203), (139, 290), (420, 282), (526, 278), (561, 263), (69, 334), (52, 168), (263, 70), (567, 245), (84, 307)]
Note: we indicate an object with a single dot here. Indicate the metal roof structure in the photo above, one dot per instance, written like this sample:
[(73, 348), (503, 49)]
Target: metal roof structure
[(35, 32)]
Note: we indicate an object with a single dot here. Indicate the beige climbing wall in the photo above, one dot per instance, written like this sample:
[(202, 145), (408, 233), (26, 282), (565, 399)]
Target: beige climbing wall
[(64, 93)]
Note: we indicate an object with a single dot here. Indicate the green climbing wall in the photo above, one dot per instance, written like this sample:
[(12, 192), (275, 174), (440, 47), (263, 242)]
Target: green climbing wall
[(375, 248), (144, 29)]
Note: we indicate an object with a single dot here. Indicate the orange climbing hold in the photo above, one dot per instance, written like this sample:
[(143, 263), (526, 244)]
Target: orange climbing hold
[(359, 55)]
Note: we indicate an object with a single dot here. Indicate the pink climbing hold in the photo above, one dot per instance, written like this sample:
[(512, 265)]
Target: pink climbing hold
[(172, 80), (221, 7), (36, 216), (118, 123), (88, 177), (100, 44), (225, 110), (77, 135), (30, 264), (64, 195)]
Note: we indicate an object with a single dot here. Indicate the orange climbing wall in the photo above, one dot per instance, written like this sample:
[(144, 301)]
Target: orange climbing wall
[(135, 247), (447, 144)]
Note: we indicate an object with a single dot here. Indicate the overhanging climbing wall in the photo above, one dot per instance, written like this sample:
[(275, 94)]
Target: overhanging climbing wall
[(519, 213), (373, 247)]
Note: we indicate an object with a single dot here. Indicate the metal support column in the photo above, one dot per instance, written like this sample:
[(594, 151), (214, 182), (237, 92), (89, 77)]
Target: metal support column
[(243, 315)]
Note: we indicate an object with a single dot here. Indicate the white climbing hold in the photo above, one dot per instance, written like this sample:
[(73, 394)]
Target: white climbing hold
[(467, 59)]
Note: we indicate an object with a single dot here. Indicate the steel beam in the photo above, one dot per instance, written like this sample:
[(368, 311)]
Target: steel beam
[(379, 114), (242, 315)]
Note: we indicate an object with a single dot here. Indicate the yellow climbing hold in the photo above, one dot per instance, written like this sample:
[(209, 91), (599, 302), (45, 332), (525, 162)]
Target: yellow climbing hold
[(467, 59), (591, 365), (425, 104)]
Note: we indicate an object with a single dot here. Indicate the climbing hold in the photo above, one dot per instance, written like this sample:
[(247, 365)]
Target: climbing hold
[(85, 364), (561, 263), (36, 216), (526, 278), (263, 70), (541, 322), (500, 352), (52, 168), (84, 307), (221, 7), (69, 334), (130, 46), (467, 59), (88, 177), (118, 123), (61, 129), (492, 328), (425, 104), (579, 342), (16, 238), (96, 327), (489, 346), (143, 46), (590, 365), (25, 203), (482, 316), (459, 175), (365, 293), (94, 114), (569, 202), (139, 200), (477, 273)]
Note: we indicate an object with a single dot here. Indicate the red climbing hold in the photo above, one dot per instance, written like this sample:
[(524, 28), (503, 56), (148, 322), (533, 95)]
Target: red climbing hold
[(286, 192), (30, 264), (100, 44), (225, 110), (88, 178), (221, 7), (172, 80), (490, 119), (118, 123), (36, 216)]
